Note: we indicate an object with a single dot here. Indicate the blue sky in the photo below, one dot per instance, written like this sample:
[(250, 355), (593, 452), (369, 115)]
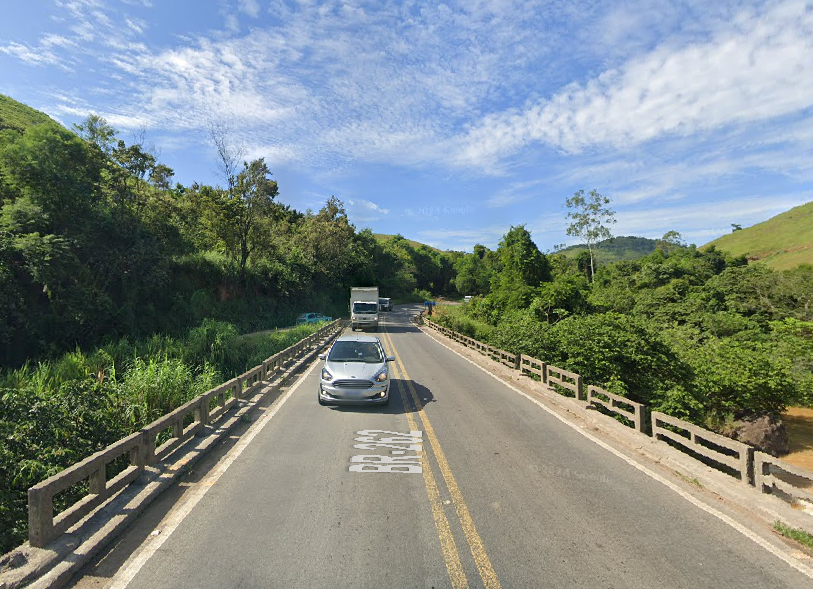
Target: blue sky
[(448, 123)]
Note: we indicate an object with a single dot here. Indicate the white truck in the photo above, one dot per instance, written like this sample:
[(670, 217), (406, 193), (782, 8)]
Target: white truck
[(364, 307)]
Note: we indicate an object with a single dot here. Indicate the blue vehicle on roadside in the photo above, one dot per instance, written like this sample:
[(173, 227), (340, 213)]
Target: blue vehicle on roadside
[(311, 318)]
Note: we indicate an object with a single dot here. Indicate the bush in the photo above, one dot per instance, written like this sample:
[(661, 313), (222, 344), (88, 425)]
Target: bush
[(623, 354), (454, 317), (738, 378), (521, 332), (45, 433)]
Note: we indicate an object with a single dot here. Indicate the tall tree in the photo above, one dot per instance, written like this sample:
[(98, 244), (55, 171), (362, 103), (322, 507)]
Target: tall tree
[(522, 269), (247, 210), (590, 216), (97, 131)]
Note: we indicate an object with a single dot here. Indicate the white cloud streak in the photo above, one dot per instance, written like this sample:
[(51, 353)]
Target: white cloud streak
[(758, 68)]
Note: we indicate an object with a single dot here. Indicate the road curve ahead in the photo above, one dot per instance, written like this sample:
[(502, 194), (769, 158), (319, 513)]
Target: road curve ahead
[(459, 482)]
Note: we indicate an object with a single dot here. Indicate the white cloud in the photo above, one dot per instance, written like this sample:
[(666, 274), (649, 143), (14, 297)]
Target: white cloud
[(40, 56), (250, 7), (649, 102), (514, 193), (702, 220), (361, 211), (368, 205), (758, 68)]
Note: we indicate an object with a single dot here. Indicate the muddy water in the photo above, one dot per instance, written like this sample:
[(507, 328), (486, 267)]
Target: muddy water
[(799, 423)]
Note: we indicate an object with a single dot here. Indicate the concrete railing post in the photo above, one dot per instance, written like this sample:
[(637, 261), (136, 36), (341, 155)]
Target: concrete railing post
[(40, 517), (97, 480), (177, 428)]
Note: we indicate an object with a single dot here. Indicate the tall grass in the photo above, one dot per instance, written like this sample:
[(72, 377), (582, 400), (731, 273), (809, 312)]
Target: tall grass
[(153, 387), (454, 317), (55, 413)]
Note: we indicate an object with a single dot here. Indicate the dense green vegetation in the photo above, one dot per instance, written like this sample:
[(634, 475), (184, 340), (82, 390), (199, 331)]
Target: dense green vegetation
[(697, 334), (122, 294), (55, 413), (782, 242), (96, 242)]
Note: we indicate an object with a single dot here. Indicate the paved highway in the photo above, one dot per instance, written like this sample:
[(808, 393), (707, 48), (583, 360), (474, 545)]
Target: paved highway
[(459, 482)]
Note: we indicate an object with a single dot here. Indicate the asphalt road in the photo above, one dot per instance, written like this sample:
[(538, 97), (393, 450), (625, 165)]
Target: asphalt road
[(459, 482)]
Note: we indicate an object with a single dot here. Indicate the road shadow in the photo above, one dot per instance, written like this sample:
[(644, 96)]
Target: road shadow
[(401, 399), (406, 328)]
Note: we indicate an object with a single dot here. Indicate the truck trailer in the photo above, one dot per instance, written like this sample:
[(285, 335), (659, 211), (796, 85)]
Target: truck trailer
[(364, 307)]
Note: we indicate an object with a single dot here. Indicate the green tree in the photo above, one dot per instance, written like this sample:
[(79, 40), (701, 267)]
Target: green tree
[(474, 271), (245, 213), (522, 268), (98, 132), (327, 239), (590, 216), (671, 241)]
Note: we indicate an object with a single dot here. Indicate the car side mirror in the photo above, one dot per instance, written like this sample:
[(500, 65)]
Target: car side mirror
[(322, 356), (390, 358)]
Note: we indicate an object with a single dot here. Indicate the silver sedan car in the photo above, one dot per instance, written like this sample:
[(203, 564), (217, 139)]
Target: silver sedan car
[(355, 372)]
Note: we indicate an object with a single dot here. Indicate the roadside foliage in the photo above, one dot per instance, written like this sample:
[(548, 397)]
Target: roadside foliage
[(123, 294)]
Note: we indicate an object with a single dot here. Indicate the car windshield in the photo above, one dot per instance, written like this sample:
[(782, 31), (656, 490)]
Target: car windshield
[(365, 307), (355, 352)]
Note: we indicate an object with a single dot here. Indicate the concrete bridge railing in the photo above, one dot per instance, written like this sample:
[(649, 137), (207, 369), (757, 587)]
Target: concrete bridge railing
[(142, 448), (766, 473)]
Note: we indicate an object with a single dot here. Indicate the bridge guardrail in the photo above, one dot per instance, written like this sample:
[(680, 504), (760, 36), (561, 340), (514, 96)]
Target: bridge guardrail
[(140, 447), (766, 473), (567, 380), (635, 412), (772, 475), (736, 456), (44, 526)]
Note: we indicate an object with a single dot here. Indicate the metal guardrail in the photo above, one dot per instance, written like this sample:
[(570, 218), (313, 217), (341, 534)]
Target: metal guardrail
[(140, 447), (766, 473)]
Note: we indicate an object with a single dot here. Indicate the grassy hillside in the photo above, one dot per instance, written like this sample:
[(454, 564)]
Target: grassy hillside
[(782, 242), (615, 249), (16, 115), (414, 244)]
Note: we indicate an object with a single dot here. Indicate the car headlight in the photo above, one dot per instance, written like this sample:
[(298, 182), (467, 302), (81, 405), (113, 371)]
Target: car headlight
[(326, 375), (381, 376)]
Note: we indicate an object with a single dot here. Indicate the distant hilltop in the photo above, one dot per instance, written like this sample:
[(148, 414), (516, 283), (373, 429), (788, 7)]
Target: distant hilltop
[(782, 242)]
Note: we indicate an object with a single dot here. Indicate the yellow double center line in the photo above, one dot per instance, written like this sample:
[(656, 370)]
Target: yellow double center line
[(448, 546)]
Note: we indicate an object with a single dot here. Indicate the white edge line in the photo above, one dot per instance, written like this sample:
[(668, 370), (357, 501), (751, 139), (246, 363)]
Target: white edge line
[(196, 493), (805, 570)]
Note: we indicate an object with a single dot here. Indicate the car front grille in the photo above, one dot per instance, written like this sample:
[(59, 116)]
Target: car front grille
[(353, 384)]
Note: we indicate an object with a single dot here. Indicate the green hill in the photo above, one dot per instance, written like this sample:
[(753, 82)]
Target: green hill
[(615, 249), (414, 244), (17, 116), (782, 242)]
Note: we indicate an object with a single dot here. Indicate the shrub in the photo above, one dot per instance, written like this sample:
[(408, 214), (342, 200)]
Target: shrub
[(623, 354), (740, 378), (154, 387)]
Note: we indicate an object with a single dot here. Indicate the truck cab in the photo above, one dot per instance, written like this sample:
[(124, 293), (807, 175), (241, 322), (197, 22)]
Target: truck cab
[(364, 308)]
